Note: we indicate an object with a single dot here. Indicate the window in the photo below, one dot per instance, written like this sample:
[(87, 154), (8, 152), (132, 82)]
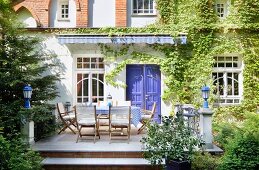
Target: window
[(64, 10), (221, 7), (89, 79), (143, 7), (227, 79)]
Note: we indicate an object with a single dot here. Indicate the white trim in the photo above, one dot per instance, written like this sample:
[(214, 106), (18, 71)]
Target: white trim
[(225, 70), (60, 3), (226, 6), (142, 13), (85, 71)]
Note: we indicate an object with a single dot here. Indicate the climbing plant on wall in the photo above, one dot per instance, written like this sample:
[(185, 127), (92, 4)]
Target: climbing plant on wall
[(188, 67)]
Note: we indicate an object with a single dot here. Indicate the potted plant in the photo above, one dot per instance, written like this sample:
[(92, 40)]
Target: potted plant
[(172, 141)]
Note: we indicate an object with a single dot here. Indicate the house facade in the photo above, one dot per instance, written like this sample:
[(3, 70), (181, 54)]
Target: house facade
[(84, 65)]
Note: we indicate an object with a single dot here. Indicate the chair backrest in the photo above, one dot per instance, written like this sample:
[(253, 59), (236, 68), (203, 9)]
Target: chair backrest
[(120, 113), (85, 112), (153, 110), (123, 103), (61, 108)]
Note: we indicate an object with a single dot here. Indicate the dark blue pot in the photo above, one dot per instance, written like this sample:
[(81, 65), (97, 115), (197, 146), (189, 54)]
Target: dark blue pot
[(178, 165)]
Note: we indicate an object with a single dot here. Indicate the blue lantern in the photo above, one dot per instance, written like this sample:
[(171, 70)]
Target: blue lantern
[(205, 95), (109, 99), (27, 92)]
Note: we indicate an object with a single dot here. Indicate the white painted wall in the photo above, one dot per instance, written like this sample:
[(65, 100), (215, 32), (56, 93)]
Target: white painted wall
[(54, 18), (51, 45), (101, 13), (25, 17), (141, 21)]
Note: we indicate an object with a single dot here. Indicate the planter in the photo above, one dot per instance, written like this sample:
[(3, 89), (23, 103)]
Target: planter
[(178, 165)]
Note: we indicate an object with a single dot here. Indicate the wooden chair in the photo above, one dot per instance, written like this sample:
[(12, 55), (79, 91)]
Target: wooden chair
[(67, 117), (119, 118), (103, 118), (123, 103), (86, 118), (146, 117)]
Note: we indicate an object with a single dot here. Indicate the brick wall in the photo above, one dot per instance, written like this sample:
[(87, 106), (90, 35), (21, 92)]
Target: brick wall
[(121, 13), (40, 11), (82, 13)]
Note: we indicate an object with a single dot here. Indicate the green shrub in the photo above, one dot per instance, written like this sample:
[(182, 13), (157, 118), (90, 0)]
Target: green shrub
[(205, 161), (242, 152), (226, 131), (15, 156)]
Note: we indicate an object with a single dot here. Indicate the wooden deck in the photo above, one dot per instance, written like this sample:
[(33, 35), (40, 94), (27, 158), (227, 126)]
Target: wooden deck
[(62, 152)]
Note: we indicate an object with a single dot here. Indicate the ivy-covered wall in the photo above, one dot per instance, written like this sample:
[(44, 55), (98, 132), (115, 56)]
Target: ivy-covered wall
[(189, 67)]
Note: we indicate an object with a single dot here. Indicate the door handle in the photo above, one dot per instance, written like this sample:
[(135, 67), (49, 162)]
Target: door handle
[(146, 97)]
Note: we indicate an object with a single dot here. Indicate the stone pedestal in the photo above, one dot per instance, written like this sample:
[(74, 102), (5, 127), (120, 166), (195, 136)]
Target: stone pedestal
[(206, 126), (28, 132)]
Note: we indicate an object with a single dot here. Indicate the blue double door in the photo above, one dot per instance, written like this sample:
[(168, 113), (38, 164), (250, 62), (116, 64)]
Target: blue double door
[(144, 87)]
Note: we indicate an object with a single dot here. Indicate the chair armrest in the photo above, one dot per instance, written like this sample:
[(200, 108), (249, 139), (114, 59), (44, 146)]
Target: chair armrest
[(71, 111), (146, 112)]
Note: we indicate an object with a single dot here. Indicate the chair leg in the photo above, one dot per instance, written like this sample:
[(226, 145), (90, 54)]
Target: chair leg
[(63, 129), (110, 133), (71, 129), (141, 128), (79, 134), (128, 131)]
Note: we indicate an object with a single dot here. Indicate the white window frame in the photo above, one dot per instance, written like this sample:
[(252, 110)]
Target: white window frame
[(225, 4), (225, 70), (60, 4), (90, 72), (135, 11)]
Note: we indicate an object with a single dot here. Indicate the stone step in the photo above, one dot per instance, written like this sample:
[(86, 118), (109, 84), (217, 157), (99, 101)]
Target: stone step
[(98, 163)]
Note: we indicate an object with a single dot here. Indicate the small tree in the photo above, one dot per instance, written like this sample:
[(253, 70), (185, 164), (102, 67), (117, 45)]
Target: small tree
[(23, 61)]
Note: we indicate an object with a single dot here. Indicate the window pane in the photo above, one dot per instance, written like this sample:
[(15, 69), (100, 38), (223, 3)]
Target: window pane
[(85, 82), (221, 64), (221, 86), (229, 100), (235, 58), (228, 64), (151, 5), (79, 85), (135, 3), (229, 86), (236, 101), (79, 100), (236, 87), (140, 4), (86, 59), (86, 65)]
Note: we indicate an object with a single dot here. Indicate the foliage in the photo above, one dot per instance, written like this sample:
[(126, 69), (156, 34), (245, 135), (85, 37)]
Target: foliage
[(238, 134), (205, 161), (188, 67), (14, 156), (242, 153), (171, 140), (23, 61)]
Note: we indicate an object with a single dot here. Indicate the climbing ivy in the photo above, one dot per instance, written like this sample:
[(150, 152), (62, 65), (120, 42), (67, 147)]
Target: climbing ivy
[(188, 67)]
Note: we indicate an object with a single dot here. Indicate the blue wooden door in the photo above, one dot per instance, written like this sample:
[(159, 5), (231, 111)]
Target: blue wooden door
[(144, 87)]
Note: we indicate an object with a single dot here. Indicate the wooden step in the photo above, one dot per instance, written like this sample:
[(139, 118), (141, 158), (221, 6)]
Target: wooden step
[(92, 154), (98, 163)]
